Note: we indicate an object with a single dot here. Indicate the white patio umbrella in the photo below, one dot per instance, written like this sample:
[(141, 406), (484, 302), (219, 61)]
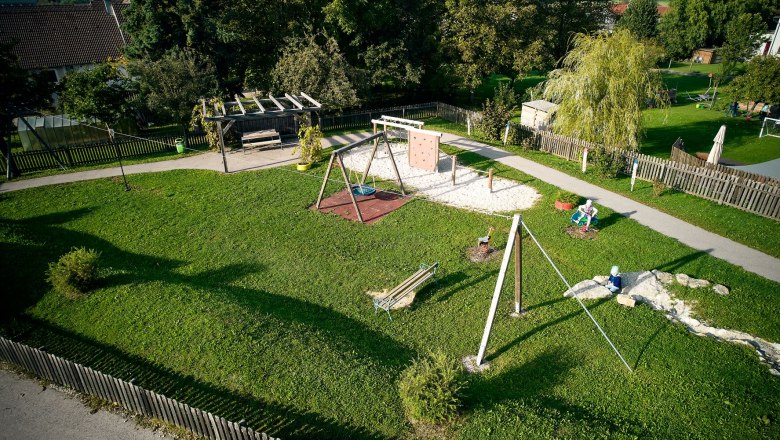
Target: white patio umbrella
[(717, 146)]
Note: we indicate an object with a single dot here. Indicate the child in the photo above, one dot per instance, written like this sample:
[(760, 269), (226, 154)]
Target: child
[(615, 283)]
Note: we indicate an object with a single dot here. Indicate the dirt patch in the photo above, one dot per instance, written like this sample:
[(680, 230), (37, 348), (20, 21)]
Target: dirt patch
[(482, 254), (577, 232), (404, 302)]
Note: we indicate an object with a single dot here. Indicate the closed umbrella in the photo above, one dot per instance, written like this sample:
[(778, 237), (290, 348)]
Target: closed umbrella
[(717, 146)]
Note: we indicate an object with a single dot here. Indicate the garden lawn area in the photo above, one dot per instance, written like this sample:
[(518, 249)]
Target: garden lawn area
[(228, 293), (749, 229), (698, 127)]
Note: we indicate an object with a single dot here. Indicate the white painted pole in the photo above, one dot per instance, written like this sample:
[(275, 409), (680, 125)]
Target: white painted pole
[(584, 160), (499, 284), (468, 124), (506, 133), (633, 172)]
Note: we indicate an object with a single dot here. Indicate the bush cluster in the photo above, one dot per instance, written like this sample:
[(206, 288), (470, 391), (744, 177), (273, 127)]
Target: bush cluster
[(495, 115), (430, 387), (75, 273), (607, 164)]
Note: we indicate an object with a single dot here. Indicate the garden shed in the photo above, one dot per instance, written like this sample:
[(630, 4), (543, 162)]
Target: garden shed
[(538, 114)]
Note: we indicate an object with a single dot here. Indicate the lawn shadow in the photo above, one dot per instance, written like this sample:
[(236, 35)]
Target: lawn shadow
[(613, 218), (675, 264), (664, 325), (276, 419), (541, 328)]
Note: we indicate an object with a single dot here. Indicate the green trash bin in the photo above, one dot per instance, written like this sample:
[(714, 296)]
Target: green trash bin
[(180, 145)]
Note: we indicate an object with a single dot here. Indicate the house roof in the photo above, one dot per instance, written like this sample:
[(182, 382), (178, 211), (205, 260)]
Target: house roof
[(50, 36), (620, 9), (540, 104)]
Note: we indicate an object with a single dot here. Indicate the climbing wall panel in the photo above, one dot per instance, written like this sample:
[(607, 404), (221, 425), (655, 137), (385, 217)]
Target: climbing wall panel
[(423, 150)]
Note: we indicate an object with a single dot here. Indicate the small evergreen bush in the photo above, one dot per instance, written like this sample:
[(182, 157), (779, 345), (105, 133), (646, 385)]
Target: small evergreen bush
[(607, 164), (75, 273), (494, 118), (429, 388), (658, 187), (567, 197)]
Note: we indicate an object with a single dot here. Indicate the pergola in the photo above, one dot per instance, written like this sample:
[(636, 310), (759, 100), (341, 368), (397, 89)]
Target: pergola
[(253, 108)]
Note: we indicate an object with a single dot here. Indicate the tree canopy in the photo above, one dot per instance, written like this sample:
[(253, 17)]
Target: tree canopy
[(102, 92), (641, 19), (760, 81), (602, 87)]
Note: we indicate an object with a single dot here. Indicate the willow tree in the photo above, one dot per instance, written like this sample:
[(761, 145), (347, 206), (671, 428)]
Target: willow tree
[(602, 87)]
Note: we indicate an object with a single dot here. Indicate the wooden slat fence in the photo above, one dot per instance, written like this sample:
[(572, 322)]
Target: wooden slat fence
[(97, 153), (362, 119), (678, 155), (457, 114), (130, 396), (740, 190)]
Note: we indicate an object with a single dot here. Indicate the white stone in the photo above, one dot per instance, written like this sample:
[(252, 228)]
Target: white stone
[(682, 279), (601, 279), (720, 289), (588, 289), (625, 300), (698, 284), (663, 277)]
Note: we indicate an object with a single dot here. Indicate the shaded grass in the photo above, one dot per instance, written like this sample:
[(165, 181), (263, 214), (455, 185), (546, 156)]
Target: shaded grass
[(230, 294), (749, 229)]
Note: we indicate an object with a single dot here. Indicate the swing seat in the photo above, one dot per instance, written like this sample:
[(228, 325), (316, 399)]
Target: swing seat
[(581, 220), (363, 190)]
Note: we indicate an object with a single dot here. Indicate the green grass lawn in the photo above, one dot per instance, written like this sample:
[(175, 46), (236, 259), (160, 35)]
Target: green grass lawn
[(698, 127), (228, 293), (750, 229)]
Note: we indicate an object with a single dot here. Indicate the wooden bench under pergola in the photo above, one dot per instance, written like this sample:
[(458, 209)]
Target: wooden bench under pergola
[(252, 108)]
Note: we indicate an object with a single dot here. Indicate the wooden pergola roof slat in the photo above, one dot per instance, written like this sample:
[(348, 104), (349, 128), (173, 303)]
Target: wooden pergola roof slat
[(278, 104), (310, 99), (292, 99), (241, 106)]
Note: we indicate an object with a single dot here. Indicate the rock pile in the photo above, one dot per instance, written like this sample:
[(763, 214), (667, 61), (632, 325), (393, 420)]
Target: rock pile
[(649, 288)]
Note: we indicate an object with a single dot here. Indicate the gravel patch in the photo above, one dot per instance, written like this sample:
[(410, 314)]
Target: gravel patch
[(470, 192)]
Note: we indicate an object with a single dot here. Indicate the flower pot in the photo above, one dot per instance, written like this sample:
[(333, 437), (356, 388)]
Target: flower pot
[(563, 206), (303, 166), (179, 145)]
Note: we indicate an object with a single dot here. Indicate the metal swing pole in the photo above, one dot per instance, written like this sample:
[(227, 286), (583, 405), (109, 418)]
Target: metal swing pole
[(118, 156)]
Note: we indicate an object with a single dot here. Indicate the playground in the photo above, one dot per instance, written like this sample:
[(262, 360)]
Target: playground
[(258, 310)]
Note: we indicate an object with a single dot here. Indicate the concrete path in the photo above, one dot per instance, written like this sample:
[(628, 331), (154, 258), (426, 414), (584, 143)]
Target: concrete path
[(693, 236), (29, 411)]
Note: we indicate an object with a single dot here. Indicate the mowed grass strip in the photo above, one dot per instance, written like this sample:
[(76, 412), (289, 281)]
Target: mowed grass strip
[(229, 293)]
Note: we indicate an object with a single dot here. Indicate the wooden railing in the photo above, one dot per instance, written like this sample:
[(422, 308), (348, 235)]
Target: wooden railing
[(132, 397)]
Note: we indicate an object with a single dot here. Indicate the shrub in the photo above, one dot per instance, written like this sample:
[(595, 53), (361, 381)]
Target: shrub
[(494, 119), (74, 273), (658, 187), (429, 388), (607, 164), (567, 197)]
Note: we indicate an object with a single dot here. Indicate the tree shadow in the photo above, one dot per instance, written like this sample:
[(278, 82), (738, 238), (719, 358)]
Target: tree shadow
[(613, 218), (276, 419), (662, 327)]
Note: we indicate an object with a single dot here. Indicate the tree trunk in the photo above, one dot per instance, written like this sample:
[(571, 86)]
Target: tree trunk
[(11, 169)]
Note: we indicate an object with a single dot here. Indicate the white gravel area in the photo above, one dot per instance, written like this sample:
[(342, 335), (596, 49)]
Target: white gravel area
[(470, 190)]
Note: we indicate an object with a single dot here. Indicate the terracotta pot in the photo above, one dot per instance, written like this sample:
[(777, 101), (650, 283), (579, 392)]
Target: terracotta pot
[(561, 206), (303, 166)]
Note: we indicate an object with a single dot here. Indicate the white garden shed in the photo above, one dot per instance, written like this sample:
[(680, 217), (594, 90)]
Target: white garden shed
[(537, 114)]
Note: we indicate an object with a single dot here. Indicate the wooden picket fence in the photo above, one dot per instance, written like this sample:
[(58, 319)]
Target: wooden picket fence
[(457, 114), (131, 397), (678, 155), (738, 189), (362, 118), (96, 153)]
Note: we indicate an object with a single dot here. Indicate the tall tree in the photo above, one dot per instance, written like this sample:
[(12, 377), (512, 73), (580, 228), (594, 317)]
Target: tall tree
[(601, 89), (641, 19), (759, 82), (489, 36), (560, 20), (742, 37), (315, 65), (103, 93), (175, 82)]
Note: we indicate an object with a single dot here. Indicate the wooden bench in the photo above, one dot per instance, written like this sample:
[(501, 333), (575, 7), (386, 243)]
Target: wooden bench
[(400, 291), (260, 138)]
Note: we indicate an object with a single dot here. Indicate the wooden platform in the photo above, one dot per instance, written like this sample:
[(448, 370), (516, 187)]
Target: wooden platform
[(372, 208)]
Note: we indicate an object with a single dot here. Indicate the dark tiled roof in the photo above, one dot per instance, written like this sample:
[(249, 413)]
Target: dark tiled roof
[(62, 35)]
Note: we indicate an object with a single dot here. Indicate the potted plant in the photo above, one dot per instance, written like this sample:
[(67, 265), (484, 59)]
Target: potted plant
[(309, 146), (565, 200)]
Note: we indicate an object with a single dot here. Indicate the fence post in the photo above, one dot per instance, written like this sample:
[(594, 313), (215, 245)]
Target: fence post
[(506, 132)]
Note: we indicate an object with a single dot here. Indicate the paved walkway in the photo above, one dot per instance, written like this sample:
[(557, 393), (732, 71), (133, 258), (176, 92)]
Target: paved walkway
[(28, 410), (693, 236)]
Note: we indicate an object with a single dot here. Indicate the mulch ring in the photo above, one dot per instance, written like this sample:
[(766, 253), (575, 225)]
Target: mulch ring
[(577, 232), (481, 254)]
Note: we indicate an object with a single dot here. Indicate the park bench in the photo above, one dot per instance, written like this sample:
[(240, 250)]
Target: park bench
[(260, 138), (400, 291)]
